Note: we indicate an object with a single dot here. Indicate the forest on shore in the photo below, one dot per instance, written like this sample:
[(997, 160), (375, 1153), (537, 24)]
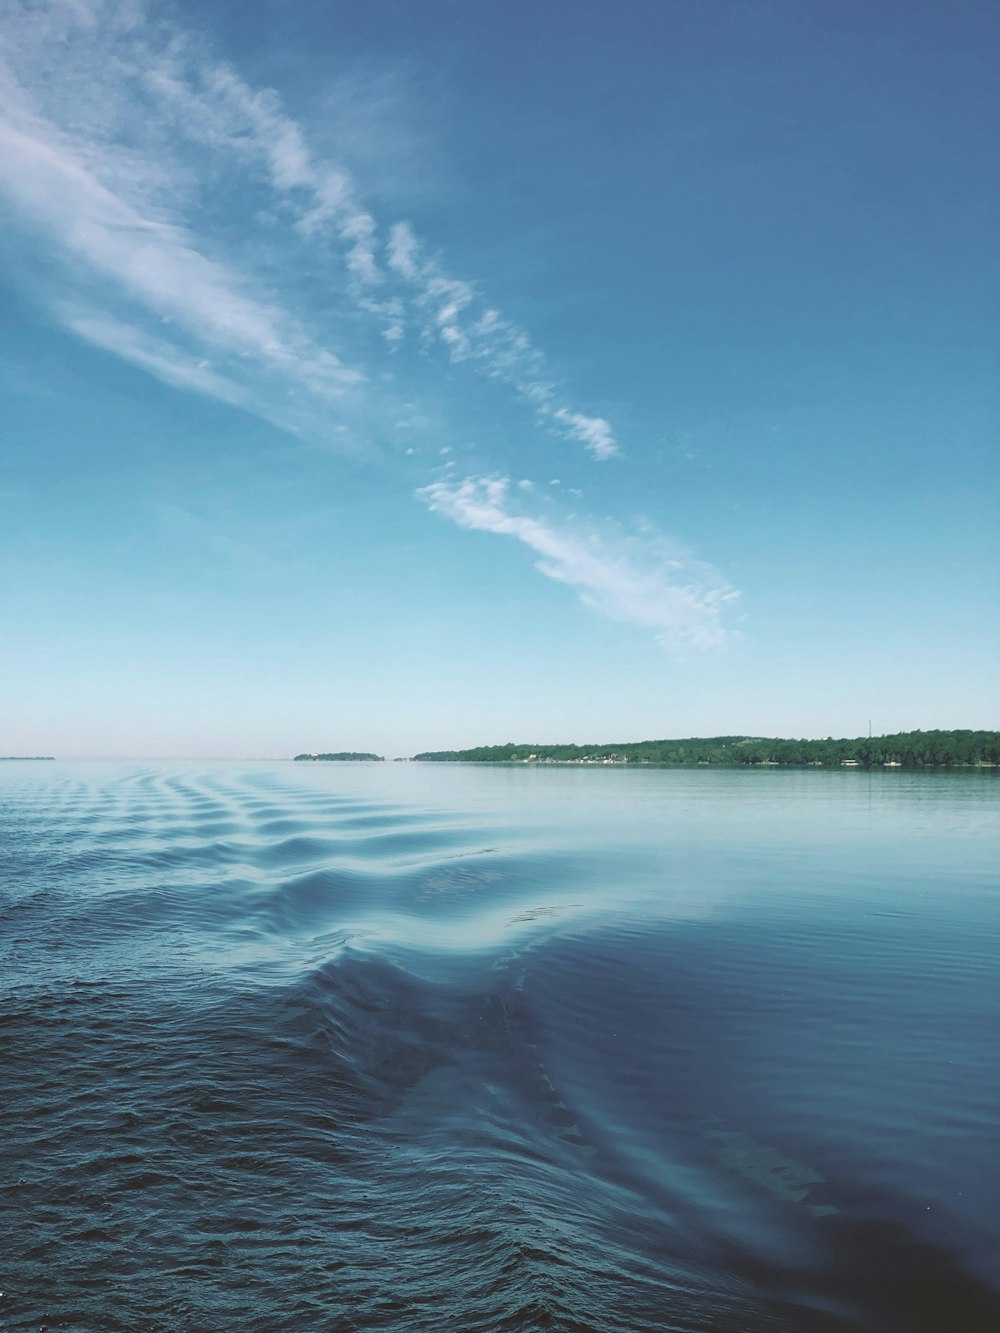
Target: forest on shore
[(344, 755), (903, 749)]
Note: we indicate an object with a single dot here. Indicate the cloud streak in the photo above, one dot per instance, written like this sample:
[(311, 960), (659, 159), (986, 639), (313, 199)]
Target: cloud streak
[(644, 582), (452, 313), (155, 263), (154, 355), (126, 141), (203, 238)]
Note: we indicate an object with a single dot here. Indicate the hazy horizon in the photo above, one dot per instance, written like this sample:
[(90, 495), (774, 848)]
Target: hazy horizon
[(390, 750)]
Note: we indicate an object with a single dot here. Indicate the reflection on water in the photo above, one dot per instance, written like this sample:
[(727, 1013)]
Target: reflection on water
[(428, 1047)]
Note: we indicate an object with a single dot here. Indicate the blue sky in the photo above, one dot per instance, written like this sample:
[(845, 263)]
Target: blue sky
[(401, 375)]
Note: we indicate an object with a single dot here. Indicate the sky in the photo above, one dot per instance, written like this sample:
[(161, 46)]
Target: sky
[(401, 376)]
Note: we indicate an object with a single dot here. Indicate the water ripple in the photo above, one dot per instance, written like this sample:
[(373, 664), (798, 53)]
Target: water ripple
[(583, 1051)]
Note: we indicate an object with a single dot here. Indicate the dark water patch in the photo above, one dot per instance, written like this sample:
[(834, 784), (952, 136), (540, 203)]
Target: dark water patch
[(561, 1050)]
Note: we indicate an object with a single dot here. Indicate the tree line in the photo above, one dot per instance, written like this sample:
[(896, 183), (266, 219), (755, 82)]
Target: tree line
[(905, 749), (344, 754)]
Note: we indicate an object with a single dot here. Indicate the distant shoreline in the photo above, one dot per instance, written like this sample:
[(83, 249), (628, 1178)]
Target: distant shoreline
[(908, 749), (341, 757), (718, 767), (26, 758)]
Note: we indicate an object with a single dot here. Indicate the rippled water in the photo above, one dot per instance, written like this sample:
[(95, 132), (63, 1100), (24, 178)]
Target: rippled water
[(421, 1047)]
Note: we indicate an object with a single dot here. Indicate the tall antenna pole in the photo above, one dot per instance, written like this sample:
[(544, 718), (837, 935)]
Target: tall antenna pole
[(869, 728)]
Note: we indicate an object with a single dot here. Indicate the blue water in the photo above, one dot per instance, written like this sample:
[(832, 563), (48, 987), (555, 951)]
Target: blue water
[(428, 1047)]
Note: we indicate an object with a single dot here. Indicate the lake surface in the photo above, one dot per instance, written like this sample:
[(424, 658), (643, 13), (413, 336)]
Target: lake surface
[(424, 1047)]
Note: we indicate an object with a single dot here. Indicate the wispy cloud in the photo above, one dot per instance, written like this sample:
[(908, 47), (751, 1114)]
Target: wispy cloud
[(129, 144), (204, 237), (155, 262), (160, 358), (452, 313), (594, 432), (641, 580)]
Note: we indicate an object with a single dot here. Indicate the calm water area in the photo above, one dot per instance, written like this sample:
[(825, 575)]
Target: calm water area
[(457, 1047)]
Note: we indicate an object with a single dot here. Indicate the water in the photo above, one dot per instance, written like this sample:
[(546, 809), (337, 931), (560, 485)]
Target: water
[(427, 1047)]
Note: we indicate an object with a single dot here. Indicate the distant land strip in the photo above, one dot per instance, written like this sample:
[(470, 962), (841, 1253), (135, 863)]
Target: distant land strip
[(343, 755), (24, 758), (903, 749)]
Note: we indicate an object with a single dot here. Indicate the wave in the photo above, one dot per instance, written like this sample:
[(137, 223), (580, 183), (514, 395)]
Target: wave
[(318, 1051)]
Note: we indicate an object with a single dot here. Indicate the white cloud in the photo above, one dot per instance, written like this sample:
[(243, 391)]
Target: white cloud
[(156, 356), (179, 200), (593, 432), (452, 312), (129, 144), (84, 165), (645, 582), (402, 251), (153, 261)]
